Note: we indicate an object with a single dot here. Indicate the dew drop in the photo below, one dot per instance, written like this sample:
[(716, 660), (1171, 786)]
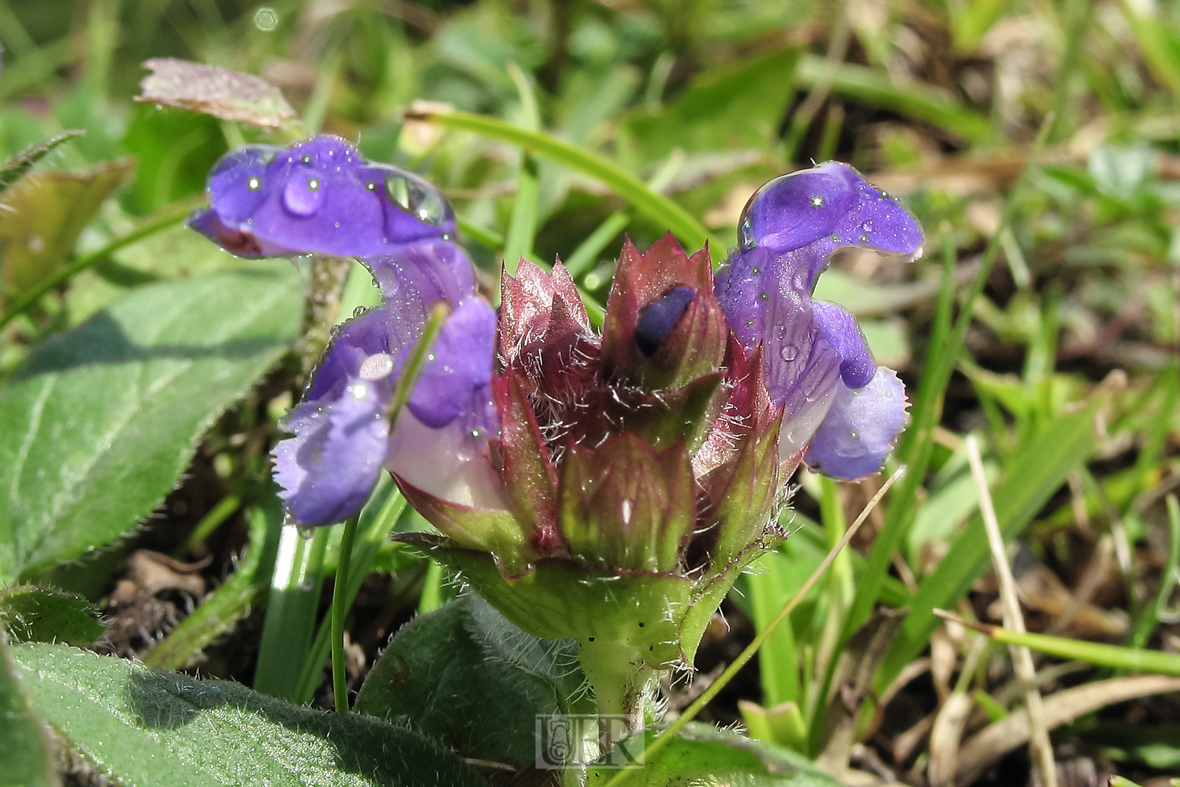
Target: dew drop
[(749, 322), (756, 271), (377, 366), (867, 226), (817, 201), (336, 225), (303, 196), (764, 296), (253, 183), (863, 238), (397, 191), (834, 237), (359, 390), (476, 433), (358, 311), (789, 353), (306, 159), (431, 358), (446, 236), (306, 532), (371, 185), (306, 585), (853, 434)]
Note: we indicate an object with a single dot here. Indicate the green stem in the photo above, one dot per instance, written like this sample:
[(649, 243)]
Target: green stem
[(622, 681), (340, 598)]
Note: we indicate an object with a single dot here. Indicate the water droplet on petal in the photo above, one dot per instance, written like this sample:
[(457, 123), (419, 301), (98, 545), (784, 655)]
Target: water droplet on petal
[(749, 322), (306, 159), (253, 183), (835, 237), (358, 311), (476, 433), (377, 366), (303, 195), (764, 296), (789, 353), (867, 226), (371, 185), (756, 271), (817, 201), (306, 532), (863, 238)]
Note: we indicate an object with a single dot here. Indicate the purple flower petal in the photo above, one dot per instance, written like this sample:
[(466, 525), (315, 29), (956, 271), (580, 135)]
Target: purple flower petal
[(827, 207), (451, 462), (328, 468), (439, 442), (460, 364), (318, 195), (860, 428)]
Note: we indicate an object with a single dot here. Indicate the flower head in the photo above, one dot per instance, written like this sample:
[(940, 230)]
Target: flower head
[(639, 464), (318, 195), (842, 411)]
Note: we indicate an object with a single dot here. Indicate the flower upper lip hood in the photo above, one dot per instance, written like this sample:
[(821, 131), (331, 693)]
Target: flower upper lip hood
[(320, 194)]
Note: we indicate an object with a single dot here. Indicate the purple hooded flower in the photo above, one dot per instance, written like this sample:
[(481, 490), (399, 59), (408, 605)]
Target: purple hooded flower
[(318, 195), (343, 436), (817, 363)]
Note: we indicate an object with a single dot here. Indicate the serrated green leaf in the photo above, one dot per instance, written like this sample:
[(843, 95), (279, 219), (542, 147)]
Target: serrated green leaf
[(467, 676), (148, 727), (100, 421), (23, 750), (15, 168), (32, 614)]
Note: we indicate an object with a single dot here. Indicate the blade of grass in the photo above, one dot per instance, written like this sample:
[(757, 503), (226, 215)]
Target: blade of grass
[(661, 210), (666, 736), (377, 521), (291, 611), (522, 228), (1096, 653), (915, 100), (1149, 619)]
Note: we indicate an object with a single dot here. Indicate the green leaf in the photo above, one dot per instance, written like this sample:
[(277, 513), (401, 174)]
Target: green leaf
[(703, 752), (466, 675), (43, 216), (100, 421), (23, 749), (15, 168), (33, 614), (148, 727)]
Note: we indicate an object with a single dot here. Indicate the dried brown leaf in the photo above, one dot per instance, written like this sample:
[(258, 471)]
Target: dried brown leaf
[(229, 95)]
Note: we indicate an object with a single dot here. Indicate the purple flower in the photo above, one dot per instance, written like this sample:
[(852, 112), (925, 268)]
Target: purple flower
[(318, 195), (343, 436), (817, 363)]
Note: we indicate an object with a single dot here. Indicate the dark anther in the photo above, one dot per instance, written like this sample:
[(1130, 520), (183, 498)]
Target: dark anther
[(657, 318)]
